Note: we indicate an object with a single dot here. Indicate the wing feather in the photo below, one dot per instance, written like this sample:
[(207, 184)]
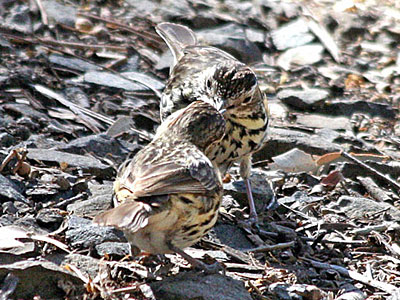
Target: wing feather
[(195, 175)]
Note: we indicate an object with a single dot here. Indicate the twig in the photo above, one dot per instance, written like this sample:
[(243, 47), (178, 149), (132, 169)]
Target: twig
[(43, 13), (65, 202), (372, 170), (151, 36), (65, 44), (378, 228), (373, 189), (76, 108), (267, 248), (49, 43), (256, 289), (386, 287)]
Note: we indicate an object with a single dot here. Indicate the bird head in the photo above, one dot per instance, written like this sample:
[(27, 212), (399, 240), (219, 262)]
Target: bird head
[(230, 86), (199, 123)]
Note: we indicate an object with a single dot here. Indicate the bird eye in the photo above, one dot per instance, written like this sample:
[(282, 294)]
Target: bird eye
[(209, 83), (247, 100)]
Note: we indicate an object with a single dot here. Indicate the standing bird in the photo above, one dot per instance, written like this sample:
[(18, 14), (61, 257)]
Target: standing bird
[(212, 75), (169, 194)]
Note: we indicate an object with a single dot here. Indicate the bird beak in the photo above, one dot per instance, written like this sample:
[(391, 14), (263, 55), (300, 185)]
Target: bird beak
[(220, 106)]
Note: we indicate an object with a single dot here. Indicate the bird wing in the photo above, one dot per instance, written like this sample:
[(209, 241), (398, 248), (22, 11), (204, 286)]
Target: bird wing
[(141, 195), (196, 176), (177, 37)]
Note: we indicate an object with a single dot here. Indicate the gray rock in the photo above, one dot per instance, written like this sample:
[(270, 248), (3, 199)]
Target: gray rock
[(39, 141), (231, 236), (261, 189), (86, 163), (83, 233), (283, 140), (6, 140), (303, 99), (99, 201), (86, 264), (49, 217), (232, 39), (59, 13), (117, 250), (18, 18), (280, 291), (190, 285), (72, 63), (101, 144), (349, 107), (324, 122), (77, 96), (119, 82), (27, 110), (255, 36), (290, 35), (354, 207), (8, 208), (10, 191), (41, 278), (301, 56)]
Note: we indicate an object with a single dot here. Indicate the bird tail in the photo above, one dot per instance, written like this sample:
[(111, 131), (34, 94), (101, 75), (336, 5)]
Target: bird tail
[(177, 37), (130, 215)]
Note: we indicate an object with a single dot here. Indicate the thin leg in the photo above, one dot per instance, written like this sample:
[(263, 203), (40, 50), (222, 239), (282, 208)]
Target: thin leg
[(209, 269), (252, 207), (245, 167)]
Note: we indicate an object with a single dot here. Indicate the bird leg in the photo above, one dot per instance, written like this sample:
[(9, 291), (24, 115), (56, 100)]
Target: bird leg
[(197, 264), (244, 170)]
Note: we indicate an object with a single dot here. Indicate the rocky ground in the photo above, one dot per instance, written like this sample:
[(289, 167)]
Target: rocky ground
[(79, 92)]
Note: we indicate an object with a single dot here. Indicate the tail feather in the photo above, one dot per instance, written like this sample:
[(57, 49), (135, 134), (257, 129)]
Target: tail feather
[(130, 215), (177, 37)]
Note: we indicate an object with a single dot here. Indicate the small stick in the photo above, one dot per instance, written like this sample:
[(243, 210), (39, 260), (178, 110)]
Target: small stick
[(370, 169), (149, 35), (267, 248), (43, 13)]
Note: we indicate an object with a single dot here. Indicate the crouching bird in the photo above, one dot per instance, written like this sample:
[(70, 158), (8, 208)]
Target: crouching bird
[(212, 75), (169, 194)]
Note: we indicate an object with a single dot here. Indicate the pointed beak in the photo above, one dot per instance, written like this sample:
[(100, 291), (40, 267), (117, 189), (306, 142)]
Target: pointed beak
[(220, 106)]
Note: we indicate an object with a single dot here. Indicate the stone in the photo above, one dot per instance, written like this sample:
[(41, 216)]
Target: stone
[(41, 278), (83, 233), (10, 191), (303, 99), (114, 249), (231, 236), (300, 56), (261, 189), (292, 34), (59, 13), (98, 202), (232, 39), (359, 207), (101, 144), (190, 285), (86, 163)]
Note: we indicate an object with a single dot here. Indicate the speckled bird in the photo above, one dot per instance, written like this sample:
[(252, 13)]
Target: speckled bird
[(214, 76), (168, 195)]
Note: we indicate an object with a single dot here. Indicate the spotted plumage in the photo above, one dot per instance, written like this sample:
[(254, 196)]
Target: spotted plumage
[(214, 76), (168, 195)]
